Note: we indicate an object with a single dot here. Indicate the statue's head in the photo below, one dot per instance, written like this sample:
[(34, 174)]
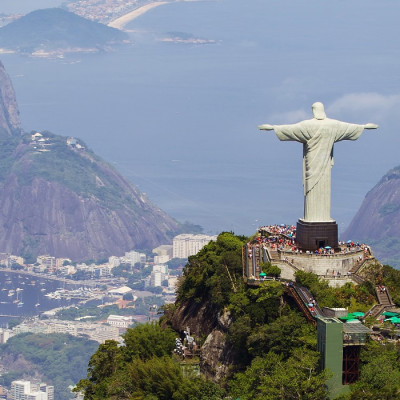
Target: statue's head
[(318, 110)]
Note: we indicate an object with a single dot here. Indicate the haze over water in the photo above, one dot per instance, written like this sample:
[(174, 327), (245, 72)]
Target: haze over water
[(180, 120)]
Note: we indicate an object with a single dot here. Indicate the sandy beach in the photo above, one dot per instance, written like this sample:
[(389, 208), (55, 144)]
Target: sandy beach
[(120, 22)]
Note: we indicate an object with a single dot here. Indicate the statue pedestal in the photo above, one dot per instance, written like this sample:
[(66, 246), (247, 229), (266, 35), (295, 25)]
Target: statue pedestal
[(314, 235)]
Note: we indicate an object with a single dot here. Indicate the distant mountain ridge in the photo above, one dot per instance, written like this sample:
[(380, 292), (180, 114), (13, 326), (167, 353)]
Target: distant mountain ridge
[(55, 29), (377, 222), (59, 198)]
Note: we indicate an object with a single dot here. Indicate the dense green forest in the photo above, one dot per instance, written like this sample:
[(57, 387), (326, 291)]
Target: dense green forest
[(58, 359), (272, 346)]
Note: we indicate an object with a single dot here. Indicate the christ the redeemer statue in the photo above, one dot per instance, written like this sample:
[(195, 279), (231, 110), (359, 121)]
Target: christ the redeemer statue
[(318, 136)]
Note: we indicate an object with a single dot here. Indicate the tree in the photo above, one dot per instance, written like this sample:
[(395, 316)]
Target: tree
[(271, 378), (148, 340), (270, 270), (380, 374)]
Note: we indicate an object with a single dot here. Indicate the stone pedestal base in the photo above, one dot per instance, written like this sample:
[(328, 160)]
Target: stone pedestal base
[(314, 235)]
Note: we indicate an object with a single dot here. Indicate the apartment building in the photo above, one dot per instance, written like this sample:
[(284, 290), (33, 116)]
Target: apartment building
[(186, 245)]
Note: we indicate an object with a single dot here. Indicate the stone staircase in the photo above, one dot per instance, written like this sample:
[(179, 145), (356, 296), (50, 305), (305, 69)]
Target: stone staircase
[(385, 302)]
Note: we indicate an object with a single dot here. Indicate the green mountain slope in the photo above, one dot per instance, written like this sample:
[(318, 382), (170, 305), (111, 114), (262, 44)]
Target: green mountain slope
[(254, 343)]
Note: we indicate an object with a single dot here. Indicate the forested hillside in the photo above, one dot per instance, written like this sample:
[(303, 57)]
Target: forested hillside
[(56, 359), (254, 342)]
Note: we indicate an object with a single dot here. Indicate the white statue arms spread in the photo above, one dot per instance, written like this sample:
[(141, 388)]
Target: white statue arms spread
[(268, 127)]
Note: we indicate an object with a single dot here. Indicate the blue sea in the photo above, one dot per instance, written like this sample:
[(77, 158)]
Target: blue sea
[(180, 120)]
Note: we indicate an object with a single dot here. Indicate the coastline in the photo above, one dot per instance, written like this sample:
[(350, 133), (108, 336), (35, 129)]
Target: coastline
[(120, 22)]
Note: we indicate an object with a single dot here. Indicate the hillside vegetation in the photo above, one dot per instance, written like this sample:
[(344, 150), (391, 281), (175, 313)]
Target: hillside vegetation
[(267, 345), (56, 359)]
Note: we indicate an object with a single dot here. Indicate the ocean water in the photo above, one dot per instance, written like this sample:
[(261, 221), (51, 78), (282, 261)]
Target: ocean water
[(180, 120), (31, 295)]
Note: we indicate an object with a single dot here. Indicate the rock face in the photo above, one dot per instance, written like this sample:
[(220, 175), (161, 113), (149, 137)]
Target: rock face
[(378, 220), (9, 114), (68, 203), (216, 353)]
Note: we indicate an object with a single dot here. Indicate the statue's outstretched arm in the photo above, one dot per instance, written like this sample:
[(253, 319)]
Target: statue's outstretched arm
[(370, 126), (266, 127)]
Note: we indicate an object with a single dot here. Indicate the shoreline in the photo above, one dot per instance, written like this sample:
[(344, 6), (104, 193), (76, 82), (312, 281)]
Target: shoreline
[(120, 22)]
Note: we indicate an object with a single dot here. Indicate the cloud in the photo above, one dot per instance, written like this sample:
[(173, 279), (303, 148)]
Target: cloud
[(289, 117), (352, 107), (369, 106)]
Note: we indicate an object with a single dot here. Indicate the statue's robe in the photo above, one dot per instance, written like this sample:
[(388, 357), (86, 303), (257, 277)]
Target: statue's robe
[(318, 137)]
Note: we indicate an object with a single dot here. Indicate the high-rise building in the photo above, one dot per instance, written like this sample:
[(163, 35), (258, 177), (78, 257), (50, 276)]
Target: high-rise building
[(156, 278), (186, 245), (26, 390), (135, 257), (19, 389), (160, 268), (49, 390)]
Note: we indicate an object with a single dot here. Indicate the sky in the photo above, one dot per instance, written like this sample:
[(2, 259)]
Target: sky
[(199, 106), (25, 6)]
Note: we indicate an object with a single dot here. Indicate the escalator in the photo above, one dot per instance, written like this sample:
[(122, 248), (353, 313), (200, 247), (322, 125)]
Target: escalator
[(305, 302)]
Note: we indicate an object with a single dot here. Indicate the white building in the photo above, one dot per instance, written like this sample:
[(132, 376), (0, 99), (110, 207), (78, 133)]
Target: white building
[(161, 259), (163, 250), (4, 335), (120, 321), (156, 278), (19, 388), (186, 245), (46, 261), (114, 261), (119, 292), (160, 268), (24, 390), (134, 257)]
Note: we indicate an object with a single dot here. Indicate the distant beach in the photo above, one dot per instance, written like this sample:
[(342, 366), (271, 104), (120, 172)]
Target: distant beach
[(120, 22)]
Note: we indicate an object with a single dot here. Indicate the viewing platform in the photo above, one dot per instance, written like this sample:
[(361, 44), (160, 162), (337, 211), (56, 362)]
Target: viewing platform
[(277, 244)]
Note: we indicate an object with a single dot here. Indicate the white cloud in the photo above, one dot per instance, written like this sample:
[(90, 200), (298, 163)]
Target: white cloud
[(352, 107), (369, 106), (289, 117)]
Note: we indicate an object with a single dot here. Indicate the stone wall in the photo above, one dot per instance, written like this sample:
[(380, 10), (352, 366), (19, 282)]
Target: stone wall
[(323, 265)]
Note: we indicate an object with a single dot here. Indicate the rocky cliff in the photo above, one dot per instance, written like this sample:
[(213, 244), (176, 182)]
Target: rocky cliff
[(377, 222), (216, 353), (9, 113), (61, 199)]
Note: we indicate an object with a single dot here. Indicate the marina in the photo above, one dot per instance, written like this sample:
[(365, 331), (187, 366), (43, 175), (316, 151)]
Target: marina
[(24, 294)]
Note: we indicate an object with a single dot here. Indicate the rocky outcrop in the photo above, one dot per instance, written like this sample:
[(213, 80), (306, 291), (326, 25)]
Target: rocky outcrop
[(203, 320), (9, 114), (48, 218)]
